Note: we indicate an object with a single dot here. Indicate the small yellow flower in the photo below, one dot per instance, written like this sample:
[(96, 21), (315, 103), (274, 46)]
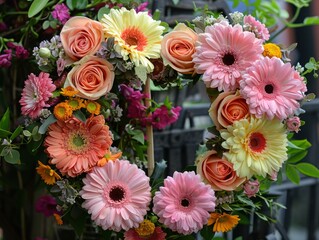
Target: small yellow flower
[(145, 229), (69, 91), (58, 219), (93, 107), (62, 111), (223, 222), (75, 103), (272, 50), (109, 156), (48, 175)]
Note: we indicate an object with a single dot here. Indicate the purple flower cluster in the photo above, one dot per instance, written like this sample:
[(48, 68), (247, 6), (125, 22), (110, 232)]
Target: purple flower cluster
[(14, 50), (158, 118), (61, 13), (46, 204)]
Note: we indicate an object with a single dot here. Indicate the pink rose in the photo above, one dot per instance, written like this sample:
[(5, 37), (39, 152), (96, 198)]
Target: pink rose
[(251, 188), (227, 108), (81, 36), (177, 48), (93, 77), (218, 172)]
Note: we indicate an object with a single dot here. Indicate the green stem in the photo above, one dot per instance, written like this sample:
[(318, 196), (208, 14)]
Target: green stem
[(17, 13)]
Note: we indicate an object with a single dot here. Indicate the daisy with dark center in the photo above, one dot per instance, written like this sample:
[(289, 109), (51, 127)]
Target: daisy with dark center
[(75, 147), (272, 88), (116, 195), (223, 53), (184, 202), (255, 146), (137, 35)]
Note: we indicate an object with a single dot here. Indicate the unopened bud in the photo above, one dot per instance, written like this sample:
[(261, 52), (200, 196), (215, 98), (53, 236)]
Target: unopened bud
[(44, 52)]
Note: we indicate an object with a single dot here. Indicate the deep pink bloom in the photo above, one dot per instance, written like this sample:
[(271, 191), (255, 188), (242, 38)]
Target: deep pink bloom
[(223, 54), (21, 52), (258, 28), (61, 13), (158, 234), (5, 59), (36, 93), (131, 94), (163, 117), (136, 109), (184, 202), (251, 188), (272, 88), (293, 124), (142, 7), (46, 204)]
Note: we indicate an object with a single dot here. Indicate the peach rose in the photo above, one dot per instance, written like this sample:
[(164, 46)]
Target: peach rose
[(218, 172), (92, 76), (227, 108), (81, 36), (177, 48)]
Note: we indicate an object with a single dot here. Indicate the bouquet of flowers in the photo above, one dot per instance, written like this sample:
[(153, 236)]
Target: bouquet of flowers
[(90, 108)]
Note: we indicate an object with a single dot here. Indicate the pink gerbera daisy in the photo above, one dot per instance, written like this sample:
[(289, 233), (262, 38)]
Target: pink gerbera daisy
[(35, 94), (273, 88), (223, 53), (75, 146), (116, 195), (184, 202)]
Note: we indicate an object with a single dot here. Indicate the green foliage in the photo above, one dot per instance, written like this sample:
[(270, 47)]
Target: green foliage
[(36, 7), (207, 232)]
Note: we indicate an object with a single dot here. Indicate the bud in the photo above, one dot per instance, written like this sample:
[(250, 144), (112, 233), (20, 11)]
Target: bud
[(251, 188), (44, 52)]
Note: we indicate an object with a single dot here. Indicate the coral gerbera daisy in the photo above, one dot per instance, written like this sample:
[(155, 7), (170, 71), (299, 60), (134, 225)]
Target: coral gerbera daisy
[(223, 222), (255, 146), (223, 53), (146, 231), (48, 175), (116, 195), (184, 202), (35, 94), (137, 35), (75, 146), (273, 88)]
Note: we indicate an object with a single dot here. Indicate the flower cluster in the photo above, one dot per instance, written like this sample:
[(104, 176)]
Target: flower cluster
[(91, 105)]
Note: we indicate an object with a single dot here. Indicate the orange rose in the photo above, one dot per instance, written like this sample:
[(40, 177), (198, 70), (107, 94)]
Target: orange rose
[(177, 48), (81, 36), (92, 76), (218, 172), (227, 108)]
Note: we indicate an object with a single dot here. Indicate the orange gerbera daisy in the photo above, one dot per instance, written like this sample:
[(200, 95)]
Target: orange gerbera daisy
[(48, 175), (109, 156), (58, 219), (69, 91), (75, 146), (62, 111), (223, 222)]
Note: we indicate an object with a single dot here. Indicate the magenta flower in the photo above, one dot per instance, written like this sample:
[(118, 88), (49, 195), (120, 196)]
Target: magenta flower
[(251, 188), (142, 7), (136, 109), (163, 117), (184, 202), (36, 93), (5, 59), (21, 52), (46, 204), (131, 94), (61, 13)]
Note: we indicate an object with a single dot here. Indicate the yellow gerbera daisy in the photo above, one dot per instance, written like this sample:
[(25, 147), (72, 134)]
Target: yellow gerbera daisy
[(93, 107), (75, 103), (62, 111), (272, 50), (69, 91), (137, 35), (223, 222), (48, 175), (255, 146)]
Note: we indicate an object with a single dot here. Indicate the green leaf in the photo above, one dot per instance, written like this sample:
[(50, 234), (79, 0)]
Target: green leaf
[(47, 122), (297, 157), (36, 136), (4, 133), (292, 174), (79, 115), (311, 20), (5, 121), (138, 136), (308, 169), (16, 132), (299, 3), (46, 24), (207, 232), (76, 4), (102, 11), (36, 7), (141, 73), (159, 169), (12, 156)]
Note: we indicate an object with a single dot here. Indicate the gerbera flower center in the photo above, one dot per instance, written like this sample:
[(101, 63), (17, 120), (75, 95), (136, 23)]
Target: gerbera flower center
[(134, 37), (145, 229), (269, 88), (117, 194), (229, 59), (185, 202), (257, 142), (78, 140)]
